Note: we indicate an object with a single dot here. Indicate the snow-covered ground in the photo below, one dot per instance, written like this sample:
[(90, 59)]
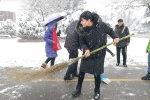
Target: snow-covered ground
[(27, 54), (30, 54)]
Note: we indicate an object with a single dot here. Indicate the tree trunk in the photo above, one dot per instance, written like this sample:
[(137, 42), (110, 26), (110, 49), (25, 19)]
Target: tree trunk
[(43, 18)]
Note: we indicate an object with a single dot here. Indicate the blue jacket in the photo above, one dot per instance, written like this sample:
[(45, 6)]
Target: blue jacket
[(49, 41)]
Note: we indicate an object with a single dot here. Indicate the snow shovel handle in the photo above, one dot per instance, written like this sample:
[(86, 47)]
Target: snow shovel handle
[(96, 50)]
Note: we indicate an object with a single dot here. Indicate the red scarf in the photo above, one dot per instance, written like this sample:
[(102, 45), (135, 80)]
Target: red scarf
[(54, 37)]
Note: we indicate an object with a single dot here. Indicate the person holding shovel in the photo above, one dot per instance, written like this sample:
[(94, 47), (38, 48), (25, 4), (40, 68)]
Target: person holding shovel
[(92, 35)]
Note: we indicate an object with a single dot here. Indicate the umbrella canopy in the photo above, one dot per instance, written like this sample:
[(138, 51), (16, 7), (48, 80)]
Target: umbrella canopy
[(53, 17)]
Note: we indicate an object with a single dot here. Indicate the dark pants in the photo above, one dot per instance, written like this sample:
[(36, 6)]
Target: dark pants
[(52, 61), (124, 54), (97, 81), (72, 69), (108, 50)]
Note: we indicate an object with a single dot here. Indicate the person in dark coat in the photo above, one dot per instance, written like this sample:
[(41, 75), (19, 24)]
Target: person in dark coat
[(58, 33), (72, 46), (92, 35), (122, 30), (50, 38)]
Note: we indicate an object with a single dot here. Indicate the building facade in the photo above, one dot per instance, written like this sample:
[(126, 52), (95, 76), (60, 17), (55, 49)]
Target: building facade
[(4, 15)]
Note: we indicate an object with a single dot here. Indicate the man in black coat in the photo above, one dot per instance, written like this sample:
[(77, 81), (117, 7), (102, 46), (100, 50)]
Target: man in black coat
[(93, 34), (72, 45), (122, 30)]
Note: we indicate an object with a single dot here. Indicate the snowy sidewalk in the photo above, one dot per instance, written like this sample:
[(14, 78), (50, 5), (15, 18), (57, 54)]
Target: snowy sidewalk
[(125, 85)]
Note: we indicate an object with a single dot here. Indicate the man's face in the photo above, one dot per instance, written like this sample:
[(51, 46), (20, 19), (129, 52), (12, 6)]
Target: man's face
[(120, 23), (84, 22)]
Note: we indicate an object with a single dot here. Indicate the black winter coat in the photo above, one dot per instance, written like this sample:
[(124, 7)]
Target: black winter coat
[(72, 38), (95, 38), (118, 31)]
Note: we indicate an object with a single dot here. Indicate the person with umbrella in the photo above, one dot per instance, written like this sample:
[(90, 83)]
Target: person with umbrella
[(50, 38)]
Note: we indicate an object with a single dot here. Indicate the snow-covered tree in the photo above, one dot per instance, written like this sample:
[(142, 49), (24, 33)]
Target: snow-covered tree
[(74, 9), (30, 30), (138, 4), (43, 8), (131, 11), (8, 28)]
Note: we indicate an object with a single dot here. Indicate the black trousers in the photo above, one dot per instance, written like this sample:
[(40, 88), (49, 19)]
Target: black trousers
[(108, 50), (124, 54), (72, 69), (50, 59), (97, 81)]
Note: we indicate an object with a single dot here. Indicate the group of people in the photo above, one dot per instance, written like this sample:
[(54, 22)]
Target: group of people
[(87, 34)]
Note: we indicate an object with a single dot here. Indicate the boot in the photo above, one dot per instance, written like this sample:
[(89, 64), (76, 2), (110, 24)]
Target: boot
[(68, 78), (147, 77), (75, 75), (96, 94), (117, 64), (125, 65), (43, 65), (77, 92)]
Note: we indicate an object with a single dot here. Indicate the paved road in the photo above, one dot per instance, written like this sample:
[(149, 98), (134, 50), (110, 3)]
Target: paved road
[(125, 85)]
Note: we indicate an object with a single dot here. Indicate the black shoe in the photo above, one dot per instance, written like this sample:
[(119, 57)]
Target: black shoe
[(117, 64), (76, 75), (147, 77), (68, 78), (125, 65), (76, 93), (96, 95)]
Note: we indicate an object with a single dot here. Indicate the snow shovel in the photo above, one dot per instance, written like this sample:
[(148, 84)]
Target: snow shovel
[(20, 76)]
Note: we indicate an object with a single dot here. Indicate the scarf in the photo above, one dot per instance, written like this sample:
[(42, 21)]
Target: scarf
[(54, 37)]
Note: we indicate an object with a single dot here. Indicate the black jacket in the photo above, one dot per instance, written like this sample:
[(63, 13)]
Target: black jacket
[(72, 38), (118, 31), (91, 39)]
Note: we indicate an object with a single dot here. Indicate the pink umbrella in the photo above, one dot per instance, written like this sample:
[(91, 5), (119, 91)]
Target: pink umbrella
[(53, 17)]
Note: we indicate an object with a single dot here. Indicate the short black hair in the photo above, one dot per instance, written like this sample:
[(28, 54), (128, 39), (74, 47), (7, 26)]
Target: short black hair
[(90, 15), (120, 20), (86, 15)]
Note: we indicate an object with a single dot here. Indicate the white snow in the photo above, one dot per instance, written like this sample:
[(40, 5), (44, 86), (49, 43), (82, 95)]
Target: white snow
[(25, 54), (131, 94), (10, 5), (63, 96), (12, 93), (4, 90), (30, 54), (146, 20)]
